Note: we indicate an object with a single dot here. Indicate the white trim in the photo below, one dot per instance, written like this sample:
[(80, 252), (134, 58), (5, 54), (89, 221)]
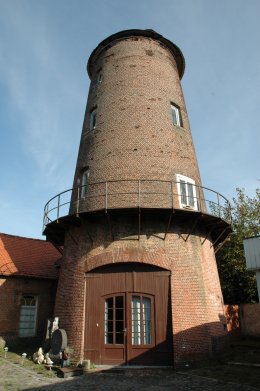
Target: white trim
[(191, 202)]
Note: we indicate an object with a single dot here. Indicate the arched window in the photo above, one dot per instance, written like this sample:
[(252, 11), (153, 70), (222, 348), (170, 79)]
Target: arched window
[(28, 315)]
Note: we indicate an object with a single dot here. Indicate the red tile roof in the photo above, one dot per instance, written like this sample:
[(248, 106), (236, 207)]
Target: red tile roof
[(27, 257)]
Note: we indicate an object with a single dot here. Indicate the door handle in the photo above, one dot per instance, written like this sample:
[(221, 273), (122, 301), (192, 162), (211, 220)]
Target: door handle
[(124, 330)]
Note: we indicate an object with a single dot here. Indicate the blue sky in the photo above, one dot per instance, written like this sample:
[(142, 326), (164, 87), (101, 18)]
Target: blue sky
[(44, 48)]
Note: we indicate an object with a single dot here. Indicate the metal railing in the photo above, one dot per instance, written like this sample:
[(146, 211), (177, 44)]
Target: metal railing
[(153, 194)]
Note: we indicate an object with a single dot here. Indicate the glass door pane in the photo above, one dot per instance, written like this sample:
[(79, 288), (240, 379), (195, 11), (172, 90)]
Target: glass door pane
[(109, 324), (136, 320), (119, 319), (141, 320), (114, 320), (146, 320)]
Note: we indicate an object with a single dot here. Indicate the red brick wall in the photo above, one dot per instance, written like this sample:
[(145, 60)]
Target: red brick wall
[(250, 320), (11, 291), (134, 136), (243, 320), (197, 310), (69, 304)]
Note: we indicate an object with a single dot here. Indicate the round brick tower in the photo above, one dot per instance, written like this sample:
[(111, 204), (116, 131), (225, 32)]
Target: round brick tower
[(138, 283)]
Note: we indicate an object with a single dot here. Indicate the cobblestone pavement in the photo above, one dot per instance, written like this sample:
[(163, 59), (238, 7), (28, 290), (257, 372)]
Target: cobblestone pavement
[(14, 378)]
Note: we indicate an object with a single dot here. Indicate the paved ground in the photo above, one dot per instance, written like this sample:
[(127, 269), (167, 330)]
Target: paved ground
[(14, 378)]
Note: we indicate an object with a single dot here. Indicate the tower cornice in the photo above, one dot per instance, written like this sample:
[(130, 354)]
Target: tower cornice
[(176, 52)]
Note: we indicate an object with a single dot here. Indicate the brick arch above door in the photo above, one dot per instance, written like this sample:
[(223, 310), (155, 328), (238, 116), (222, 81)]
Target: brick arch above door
[(128, 255)]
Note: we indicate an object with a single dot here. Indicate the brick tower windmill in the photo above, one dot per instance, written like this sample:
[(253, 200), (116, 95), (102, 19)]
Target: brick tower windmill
[(139, 283)]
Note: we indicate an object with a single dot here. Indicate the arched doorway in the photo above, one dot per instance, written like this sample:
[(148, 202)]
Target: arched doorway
[(128, 315)]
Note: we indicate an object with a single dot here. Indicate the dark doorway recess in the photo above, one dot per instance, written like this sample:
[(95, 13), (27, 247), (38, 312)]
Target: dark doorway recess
[(128, 315)]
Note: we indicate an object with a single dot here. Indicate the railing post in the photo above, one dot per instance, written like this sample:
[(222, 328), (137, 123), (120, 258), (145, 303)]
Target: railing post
[(78, 190), (46, 214), (172, 194), (199, 201), (106, 197), (218, 205), (44, 219), (58, 208), (229, 214), (139, 193)]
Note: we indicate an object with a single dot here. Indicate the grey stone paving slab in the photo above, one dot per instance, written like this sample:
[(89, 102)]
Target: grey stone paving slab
[(14, 379)]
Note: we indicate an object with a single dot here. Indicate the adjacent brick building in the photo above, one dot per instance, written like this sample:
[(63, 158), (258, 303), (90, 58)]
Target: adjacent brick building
[(138, 274), (28, 282)]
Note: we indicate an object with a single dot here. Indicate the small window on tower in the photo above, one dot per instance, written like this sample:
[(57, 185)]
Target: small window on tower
[(84, 183), (187, 192), (176, 115), (99, 77), (93, 119)]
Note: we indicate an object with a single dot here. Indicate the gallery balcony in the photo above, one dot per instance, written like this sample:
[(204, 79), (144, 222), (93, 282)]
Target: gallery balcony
[(201, 206)]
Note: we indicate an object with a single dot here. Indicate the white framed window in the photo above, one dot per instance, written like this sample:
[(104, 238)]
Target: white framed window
[(176, 115), (28, 316), (93, 119), (84, 183), (186, 192)]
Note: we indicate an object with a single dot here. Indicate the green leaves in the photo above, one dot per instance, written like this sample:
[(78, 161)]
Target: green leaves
[(238, 284)]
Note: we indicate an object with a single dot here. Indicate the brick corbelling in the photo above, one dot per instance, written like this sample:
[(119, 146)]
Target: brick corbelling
[(128, 255)]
